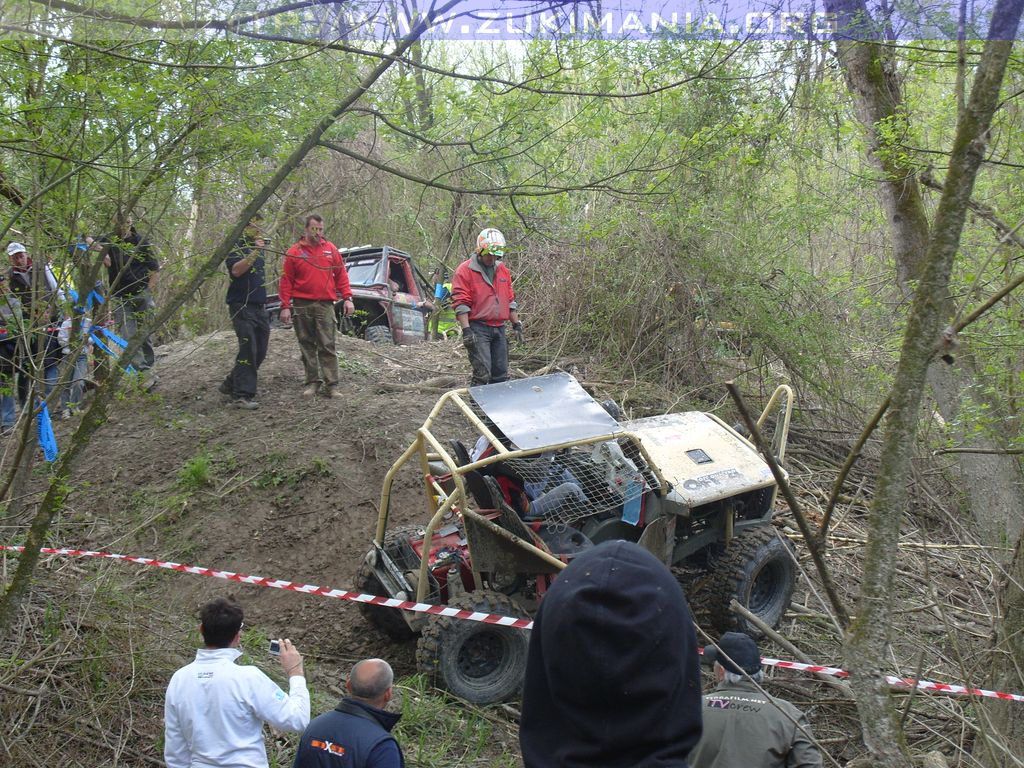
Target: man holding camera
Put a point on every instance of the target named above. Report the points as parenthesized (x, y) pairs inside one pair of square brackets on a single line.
[(247, 299), (215, 709), (484, 301)]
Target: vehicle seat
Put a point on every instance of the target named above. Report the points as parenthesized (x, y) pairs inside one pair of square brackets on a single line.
[(565, 541), (479, 490), (509, 519), (459, 452)]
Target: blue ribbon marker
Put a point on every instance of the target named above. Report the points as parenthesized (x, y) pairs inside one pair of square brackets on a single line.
[(114, 337), (47, 440), (94, 297), (96, 340), (632, 503)]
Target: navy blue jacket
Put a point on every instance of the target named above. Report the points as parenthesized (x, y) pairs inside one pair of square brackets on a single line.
[(352, 735)]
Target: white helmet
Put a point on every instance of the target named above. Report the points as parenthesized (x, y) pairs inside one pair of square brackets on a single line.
[(14, 248), (492, 241)]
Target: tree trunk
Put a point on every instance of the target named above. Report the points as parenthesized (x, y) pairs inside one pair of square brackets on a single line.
[(1000, 739), (992, 482)]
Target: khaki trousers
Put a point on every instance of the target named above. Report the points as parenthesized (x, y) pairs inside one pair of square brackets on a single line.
[(315, 328)]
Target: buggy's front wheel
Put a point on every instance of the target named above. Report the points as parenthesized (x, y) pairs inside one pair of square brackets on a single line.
[(481, 663), (757, 569)]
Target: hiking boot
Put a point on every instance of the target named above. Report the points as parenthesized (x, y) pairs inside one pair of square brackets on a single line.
[(310, 390), (331, 393), (225, 388), (245, 403)]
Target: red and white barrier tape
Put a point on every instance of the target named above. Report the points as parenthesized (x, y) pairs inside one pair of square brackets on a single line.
[(487, 618), (308, 589), (903, 682)]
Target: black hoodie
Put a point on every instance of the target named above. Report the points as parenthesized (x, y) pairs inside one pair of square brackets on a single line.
[(612, 676)]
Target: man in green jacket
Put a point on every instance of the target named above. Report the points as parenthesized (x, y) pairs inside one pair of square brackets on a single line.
[(743, 726)]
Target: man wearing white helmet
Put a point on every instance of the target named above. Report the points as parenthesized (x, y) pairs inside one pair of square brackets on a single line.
[(484, 301)]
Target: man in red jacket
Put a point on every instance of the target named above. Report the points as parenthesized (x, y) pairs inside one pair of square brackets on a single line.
[(313, 279), (483, 299)]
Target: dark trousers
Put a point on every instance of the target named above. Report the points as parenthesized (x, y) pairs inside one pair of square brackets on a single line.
[(26, 360), (8, 354), (132, 311), (489, 357), (252, 327)]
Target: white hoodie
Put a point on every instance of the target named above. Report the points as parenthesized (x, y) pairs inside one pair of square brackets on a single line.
[(215, 710)]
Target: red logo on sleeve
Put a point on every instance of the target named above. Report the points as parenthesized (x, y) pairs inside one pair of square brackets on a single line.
[(326, 746)]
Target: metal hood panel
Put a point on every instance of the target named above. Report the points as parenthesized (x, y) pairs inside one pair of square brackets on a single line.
[(702, 459), (544, 411)]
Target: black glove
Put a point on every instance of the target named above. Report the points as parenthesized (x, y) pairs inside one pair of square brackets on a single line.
[(468, 339), (517, 331)]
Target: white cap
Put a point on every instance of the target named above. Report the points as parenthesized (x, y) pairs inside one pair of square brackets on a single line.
[(14, 248)]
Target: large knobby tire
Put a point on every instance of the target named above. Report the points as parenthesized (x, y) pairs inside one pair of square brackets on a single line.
[(379, 334), (481, 663), (757, 570), (387, 620)]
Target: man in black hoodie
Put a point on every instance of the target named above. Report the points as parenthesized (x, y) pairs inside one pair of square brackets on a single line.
[(356, 733), (131, 268), (612, 676)]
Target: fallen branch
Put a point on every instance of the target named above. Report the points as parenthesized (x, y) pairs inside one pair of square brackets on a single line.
[(840, 685)]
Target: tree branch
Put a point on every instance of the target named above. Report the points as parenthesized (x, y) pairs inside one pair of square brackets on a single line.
[(813, 544)]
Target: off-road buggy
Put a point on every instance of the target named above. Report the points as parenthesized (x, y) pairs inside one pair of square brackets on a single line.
[(522, 476), (389, 295)]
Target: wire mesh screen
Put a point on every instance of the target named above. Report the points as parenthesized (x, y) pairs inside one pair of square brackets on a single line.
[(562, 487)]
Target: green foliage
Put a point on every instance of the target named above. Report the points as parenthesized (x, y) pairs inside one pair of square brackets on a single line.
[(353, 366), (278, 472), (196, 472), (321, 467), (437, 732)]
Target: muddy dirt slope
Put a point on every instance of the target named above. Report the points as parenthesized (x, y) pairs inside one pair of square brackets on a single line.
[(288, 491)]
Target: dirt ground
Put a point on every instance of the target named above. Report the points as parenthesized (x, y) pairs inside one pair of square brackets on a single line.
[(292, 491)]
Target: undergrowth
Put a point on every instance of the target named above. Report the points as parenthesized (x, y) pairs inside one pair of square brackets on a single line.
[(90, 657)]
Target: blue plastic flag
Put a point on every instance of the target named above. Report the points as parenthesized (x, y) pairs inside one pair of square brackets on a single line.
[(114, 338), (631, 504), (99, 343), (47, 440)]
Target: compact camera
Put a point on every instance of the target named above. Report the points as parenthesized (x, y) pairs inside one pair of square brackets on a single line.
[(275, 647)]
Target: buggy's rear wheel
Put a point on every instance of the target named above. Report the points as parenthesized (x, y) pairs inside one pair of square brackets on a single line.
[(481, 663), (758, 571), (388, 620)]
